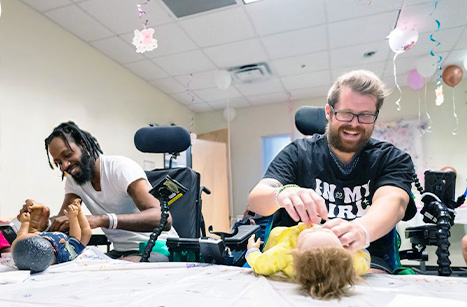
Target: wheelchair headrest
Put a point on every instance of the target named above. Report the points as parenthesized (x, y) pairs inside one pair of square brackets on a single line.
[(310, 120), (162, 139)]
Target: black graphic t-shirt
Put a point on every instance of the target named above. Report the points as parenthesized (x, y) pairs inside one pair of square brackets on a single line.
[(308, 163)]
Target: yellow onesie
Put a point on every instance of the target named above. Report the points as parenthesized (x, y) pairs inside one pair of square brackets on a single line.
[(277, 254)]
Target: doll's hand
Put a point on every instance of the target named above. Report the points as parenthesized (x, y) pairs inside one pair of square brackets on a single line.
[(77, 203), (24, 217), (252, 243), (72, 211)]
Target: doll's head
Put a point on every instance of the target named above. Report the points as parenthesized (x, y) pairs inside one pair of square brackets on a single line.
[(322, 265), (34, 253)]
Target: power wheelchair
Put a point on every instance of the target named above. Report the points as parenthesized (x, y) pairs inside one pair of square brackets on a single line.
[(179, 192)]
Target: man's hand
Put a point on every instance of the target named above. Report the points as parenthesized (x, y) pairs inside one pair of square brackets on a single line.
[(303, 204), (351, 235), (252, 243), (61, 223)]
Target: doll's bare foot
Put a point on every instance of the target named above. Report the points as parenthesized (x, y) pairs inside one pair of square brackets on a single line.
[(39, 215)]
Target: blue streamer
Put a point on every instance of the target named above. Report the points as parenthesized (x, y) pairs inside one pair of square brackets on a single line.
[(440, 58)]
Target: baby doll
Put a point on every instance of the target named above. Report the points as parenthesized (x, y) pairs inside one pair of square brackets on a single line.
[(35, 251), (313, 256)]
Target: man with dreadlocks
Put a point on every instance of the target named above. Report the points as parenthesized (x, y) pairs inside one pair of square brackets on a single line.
[(115, 189)]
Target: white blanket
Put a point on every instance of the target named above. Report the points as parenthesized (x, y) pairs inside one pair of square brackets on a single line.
[(95, 280)]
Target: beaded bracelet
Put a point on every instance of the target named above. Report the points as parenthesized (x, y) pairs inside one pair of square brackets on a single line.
[(282, 189)]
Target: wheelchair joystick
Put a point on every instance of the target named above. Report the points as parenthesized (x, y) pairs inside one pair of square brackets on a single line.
[(166, 191)]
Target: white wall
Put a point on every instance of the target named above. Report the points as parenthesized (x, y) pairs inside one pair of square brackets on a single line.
[(48, 76), (441, 148)]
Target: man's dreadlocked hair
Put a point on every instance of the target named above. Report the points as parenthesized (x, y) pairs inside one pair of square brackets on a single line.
[(68, 130)]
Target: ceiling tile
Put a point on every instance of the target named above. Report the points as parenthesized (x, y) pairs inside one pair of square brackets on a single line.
[(201, 107), (462, 44), (344, 33), (456, 57), (146, 70), (275, 97), (184, 63), (198, 81), (45, 5), (273, 16), (239, 102), (296, 42), (213, 94), (342, 57), (118, 50), (379, 68), (219, 27), (239, 53), (170, 39), (303, 94), (187, 97), (169, 85), (262, 87), (123, 16), (344, 9), (306, 80), (79, 23), (301, 64)]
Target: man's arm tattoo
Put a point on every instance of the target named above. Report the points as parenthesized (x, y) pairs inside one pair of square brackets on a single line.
[(272, 183)]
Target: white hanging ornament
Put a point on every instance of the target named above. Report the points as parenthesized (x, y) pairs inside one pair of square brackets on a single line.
[(230, 114), (223, 79)]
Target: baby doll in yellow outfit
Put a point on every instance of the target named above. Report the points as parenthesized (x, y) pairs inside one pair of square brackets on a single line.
[(312, 255)]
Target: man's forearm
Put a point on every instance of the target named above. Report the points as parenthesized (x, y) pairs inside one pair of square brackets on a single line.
[(262, 199), (143, 221), (388, 208)]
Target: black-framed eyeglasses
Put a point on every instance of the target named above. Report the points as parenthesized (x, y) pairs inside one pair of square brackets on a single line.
[(363, 118)]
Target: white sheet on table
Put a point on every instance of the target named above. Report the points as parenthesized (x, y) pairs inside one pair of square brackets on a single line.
[(99, 281)]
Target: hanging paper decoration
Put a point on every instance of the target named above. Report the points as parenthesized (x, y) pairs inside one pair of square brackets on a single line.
[(188, 91), (439, 95), (400, 41), (143, 39), (438, 24)]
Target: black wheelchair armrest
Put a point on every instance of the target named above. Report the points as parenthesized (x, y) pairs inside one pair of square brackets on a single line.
[(99, 239)]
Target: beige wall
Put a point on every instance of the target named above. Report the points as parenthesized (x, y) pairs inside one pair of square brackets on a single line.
[(48, 76)]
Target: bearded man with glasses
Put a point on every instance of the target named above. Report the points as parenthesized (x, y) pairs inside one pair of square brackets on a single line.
[(359, 186)]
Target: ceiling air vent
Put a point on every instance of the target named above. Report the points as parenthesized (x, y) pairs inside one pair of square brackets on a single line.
[(251, 73), (182, 8)]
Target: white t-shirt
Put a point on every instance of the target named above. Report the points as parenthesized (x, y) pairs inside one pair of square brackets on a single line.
[(117, 173)]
